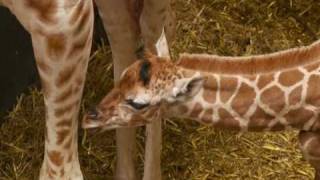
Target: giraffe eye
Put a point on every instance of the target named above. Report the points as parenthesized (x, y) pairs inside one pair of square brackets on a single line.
[(136, 105)]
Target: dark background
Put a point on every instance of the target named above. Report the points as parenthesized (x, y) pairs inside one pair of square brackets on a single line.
[(17, 65)]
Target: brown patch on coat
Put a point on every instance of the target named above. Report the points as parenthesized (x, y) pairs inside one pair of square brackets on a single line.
[(67, 123), (312, 67), (228, 86), (62, 110), (314, 162), (46, 9), (264, 80), (298, 117), (56, 45), (62, 172), (295, 95), (259, 120), (278, 127), (197, 109), (79, 80), (207, 116), (274, 98), (77, 89), (78, 45), (224, 114), (226, 120), (55, 157), (68, 143), (43, 67), (313, 93), (289, 78), (65, 75), (51, 173), (210, 88), (244, 99), (62, 135), (304, 136), (64, 95), (76, 12), (316, 125)]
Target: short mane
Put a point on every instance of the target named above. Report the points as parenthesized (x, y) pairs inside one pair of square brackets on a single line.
[(257, 64)]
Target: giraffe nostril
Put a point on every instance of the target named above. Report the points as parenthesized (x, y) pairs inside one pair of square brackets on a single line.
[(93, 113)]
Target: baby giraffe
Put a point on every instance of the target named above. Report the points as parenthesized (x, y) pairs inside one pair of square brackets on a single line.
[(269, 92)]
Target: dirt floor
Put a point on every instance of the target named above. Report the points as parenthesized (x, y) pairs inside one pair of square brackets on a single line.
[(190, 150)]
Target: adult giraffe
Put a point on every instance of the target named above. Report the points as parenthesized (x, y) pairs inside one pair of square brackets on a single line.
[(61, 32)]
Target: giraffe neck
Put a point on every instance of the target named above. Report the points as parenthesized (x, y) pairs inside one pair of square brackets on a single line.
[(257, 64), (257, 102)]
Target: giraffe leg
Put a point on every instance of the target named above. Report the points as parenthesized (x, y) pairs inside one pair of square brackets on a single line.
[(310, 147), (152, 21), (122, 33), (155, 16), (2, 3), (170, 25), (61, 35)]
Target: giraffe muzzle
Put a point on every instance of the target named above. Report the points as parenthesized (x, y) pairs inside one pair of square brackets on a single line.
[(92, 119), (93, 113)]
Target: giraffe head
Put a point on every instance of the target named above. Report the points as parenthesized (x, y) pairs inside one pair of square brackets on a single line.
[(148, 90)]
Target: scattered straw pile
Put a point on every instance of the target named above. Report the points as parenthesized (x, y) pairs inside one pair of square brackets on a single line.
[(190, 151)]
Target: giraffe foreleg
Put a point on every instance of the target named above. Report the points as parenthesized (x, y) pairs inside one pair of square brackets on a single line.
[(310, 147), (155, 16), (154, 19), (61, 35), (122, 33)]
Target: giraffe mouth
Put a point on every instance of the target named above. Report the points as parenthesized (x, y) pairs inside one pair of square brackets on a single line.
[(88, 123), (92, 119)]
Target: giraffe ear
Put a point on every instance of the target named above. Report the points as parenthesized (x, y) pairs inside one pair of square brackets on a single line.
[(188, 87)]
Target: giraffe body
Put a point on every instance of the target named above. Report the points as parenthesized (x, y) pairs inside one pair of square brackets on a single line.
[(258, 93), (61, 32), (265, 102), (262, 93)]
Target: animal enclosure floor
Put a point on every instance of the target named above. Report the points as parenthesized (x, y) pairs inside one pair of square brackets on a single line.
[(190, 151)]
